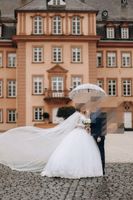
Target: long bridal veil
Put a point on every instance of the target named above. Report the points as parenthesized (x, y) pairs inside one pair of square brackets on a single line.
[(29, 148)]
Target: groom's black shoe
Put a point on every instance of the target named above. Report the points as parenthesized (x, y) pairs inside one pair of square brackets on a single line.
[(103, 172)]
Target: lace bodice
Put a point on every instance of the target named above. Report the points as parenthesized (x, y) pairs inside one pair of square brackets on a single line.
[(80, 121)]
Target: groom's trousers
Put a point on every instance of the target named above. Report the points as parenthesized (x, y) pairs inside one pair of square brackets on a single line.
[(99, 129)]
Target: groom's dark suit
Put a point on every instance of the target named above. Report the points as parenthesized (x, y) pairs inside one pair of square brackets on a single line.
[(99, 130)]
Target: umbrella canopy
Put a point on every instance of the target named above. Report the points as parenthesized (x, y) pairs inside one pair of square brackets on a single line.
[(86, 92)]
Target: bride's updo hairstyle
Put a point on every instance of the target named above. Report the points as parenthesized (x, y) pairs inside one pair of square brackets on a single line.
[(80, 108)]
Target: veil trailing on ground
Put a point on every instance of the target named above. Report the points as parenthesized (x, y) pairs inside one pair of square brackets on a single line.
[(29, 148)]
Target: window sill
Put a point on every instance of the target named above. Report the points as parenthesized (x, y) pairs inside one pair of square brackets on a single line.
[(57, 62), (37, 121), (13, 67), (11, 97), (126, 67), (37, 94), (76, 34), (38, 34), (38, 62), (127, 96), (111, 67), (11, 122), (112, 95), (76, 62), (100, 67)]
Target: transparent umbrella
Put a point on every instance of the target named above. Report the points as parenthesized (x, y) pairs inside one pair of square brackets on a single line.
[(87, 93)]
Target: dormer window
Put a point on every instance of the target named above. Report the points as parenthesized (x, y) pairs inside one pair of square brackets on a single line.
[(124, 3), (37, 25), (110, 32), (56, 3), (124, 32)]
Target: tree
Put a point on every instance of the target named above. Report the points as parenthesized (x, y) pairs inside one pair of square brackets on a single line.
[(65, 111)]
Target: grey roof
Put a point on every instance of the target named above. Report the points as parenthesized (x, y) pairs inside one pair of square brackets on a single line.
[(7, 7), (115, 11), (71, 5)]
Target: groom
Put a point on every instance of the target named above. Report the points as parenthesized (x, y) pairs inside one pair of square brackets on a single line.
[(98, 131)]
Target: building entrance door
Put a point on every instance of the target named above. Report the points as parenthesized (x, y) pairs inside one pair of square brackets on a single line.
[(55, 119), (127, 119)]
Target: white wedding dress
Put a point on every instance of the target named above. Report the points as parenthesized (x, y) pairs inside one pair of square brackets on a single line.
[(64, 151), (77, 156)]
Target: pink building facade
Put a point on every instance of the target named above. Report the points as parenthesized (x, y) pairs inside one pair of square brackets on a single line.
[(56, 47)]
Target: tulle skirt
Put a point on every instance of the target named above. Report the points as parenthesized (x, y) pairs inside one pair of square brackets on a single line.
[(76, 156)]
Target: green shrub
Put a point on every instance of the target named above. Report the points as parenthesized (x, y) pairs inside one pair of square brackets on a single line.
[(46, 115)]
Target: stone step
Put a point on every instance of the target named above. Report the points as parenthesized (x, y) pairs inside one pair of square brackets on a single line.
[(44, 125)]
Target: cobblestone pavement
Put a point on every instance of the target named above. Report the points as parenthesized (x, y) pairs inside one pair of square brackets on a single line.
[(116, 185)]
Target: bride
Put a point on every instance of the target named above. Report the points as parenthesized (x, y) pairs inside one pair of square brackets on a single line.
[(67, 151)]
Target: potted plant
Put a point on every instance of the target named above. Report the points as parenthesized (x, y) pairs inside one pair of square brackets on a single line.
[(46, 117)]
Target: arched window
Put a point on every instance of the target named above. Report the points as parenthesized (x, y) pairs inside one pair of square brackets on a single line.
[(57, 25), (38, 25), (76, 25)]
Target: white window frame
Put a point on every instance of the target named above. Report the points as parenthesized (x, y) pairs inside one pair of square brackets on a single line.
[(11, 60), (57, 25), (57, 83), (38, 25), (38, 86), (76, 55), (1, 115), (111, 59), (127, 87), (76, 80), (56, 2), (11, 116), (124, 32), (57, 54), (11, 88), (99, 59), (112, 84), (126, 59), (76, 25), (110, 32), (1, 59), (1, 88), (37, 54), (100, 83), (38, 114)]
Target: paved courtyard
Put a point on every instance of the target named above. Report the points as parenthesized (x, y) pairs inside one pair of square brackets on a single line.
[(116, 185)]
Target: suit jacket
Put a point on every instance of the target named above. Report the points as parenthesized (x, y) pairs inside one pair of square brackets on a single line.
[(98, 124)]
